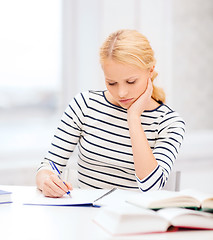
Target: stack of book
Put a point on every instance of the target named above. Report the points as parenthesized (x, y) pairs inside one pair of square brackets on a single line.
[(158, 211)]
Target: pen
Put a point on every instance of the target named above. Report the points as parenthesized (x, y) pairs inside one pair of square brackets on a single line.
[(55, 169), (107, 193)]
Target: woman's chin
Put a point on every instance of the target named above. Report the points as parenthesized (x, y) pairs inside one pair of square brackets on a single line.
[(125, 106)]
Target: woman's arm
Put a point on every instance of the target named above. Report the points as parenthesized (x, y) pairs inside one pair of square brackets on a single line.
[(144, 159), (153, 166), (63, 144)]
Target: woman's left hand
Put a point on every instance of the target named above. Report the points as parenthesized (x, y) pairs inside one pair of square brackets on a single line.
[(138, 107)]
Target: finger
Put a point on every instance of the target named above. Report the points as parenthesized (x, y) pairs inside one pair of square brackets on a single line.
[(63, 185), (52, 187), (69, 186), (58, 184), (49, 192), (149, 87)]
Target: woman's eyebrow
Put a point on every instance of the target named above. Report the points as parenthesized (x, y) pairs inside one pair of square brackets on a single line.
[(126, 79), (110, 80), (131, 78)]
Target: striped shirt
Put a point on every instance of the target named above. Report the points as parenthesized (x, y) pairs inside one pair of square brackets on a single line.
[(101, 132)]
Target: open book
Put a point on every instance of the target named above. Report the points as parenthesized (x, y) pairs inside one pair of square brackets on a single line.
[(186, 198), (127, 219)]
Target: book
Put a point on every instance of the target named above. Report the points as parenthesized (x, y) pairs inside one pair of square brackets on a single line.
[(79, 197), (126, 219), (5, 197), (188, 198)]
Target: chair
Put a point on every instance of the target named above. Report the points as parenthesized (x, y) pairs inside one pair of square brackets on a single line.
[(173, 183)]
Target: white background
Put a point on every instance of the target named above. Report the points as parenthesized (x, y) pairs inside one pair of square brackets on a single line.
[(49, 52)]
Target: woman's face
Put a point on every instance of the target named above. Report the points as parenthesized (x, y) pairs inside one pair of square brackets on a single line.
[(125, 83)]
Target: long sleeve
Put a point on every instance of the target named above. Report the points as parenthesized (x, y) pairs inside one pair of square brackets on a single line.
[(66, 136), (171, 131)]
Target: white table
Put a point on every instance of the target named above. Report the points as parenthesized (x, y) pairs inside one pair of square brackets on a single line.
[(18, 221)]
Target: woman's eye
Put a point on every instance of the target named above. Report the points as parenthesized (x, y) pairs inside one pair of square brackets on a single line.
[(132, 82), (111, 84)]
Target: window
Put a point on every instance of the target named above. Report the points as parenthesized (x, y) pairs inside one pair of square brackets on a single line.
[(30, 72)]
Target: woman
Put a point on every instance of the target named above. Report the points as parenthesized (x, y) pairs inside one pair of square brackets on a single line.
[(127, 137)]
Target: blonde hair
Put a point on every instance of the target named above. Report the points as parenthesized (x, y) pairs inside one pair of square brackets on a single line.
[(131, 47)]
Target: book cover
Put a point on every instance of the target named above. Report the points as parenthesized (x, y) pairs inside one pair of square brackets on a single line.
[(5, 197)]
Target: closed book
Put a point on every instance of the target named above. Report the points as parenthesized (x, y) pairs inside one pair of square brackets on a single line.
[(5, 196)]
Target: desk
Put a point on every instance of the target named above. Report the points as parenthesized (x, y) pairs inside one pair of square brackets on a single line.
[(18, 221)]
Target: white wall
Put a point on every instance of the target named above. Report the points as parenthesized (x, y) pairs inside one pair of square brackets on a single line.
[(88, 23), (179, 32), (171, 27)]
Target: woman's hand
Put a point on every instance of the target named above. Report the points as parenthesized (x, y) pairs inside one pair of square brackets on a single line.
[(144, 160), (137, 108), (51, 185)]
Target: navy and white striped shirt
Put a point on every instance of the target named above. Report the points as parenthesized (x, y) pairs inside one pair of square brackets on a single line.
[(105, 158)]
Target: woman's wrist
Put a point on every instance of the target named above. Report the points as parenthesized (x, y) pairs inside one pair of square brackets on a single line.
[(133, 118)]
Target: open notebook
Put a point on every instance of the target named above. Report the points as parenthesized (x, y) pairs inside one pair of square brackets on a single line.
[(82, 197)]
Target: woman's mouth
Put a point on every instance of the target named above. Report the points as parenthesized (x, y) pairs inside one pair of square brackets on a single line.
[(125, 101)]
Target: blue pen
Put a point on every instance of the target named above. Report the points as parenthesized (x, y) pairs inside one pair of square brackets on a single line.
[(55, 169)]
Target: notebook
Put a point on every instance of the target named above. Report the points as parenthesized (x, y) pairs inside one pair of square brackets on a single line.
[(80, 197)]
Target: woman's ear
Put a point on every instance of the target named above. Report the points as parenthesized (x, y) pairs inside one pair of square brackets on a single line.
[(151, 71)]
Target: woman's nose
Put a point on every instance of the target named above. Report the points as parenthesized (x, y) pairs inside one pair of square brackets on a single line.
[(122, 92)]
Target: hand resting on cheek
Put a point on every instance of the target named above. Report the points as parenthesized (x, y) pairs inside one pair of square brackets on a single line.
[(141, 104)]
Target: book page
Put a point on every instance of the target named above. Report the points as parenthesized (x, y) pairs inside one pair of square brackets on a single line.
[(117, 197), (164, 198), (206, 199), (197, 194), (187, 218)]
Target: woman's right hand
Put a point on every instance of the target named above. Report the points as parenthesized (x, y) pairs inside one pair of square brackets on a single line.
[(50, 184)]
